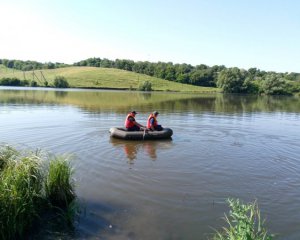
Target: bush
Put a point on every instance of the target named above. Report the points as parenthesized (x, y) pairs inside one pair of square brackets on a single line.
[(33, 84), (145, 86), (274, 85), (60, 82), (231, 80), (12, 82), (244, 223)]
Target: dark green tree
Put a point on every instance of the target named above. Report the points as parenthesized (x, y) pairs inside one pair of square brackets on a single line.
[(60, 82), (231, 80), (274, 85)]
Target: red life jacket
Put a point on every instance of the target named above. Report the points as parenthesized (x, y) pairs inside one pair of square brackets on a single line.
[(129, 124), (154, 122)]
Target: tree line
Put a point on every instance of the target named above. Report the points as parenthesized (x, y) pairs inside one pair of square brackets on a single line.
[(230, 80), (30, 65)]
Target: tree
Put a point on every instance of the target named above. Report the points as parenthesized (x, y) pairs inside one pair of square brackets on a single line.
[(231, 80), (60, 82), (204, 77), (273, 85), (182, 78)]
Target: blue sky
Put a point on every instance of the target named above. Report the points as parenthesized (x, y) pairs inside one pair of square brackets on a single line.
[(263, 34)]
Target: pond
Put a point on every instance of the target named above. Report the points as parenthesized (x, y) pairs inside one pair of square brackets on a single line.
[(224, 146)]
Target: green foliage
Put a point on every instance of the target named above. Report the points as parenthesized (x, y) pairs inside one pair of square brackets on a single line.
[(250, 86), (274, 85), (12, 82), (92, 77), (244, 223), (59, 186), (20, 187), (30, 65), (7, 153), (231, 80), (23, 197), (203, 77), (294, 86), (145, 86), (60, 82), (33, 84)]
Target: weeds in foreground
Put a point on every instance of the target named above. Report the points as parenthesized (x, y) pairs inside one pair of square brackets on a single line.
[(23, 194), (6, 153), (244, 223)]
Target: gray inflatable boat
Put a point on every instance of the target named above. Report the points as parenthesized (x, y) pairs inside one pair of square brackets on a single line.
[(122, 133)]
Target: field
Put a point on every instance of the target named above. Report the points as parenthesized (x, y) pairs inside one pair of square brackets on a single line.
[(105, 78)]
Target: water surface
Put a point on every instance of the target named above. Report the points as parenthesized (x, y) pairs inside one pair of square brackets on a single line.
[(246, 147)]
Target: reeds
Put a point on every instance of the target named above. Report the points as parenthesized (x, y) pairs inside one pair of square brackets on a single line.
[(244, 223), (23, 193)]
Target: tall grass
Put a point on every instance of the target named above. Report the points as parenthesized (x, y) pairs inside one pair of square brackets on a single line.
[(244, 223), (59, 185), (23, 196), (6, 153)]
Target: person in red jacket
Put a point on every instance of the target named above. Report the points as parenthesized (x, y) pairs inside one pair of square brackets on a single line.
[(131, 124), (152, 123)]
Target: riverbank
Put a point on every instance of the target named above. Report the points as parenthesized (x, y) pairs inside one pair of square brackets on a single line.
[(101, 78)]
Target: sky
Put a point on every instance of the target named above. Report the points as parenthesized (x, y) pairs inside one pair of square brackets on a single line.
[(236, 33)]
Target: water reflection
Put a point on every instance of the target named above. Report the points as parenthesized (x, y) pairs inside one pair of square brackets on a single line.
[(102, 101), (61, 94), (133, 148)]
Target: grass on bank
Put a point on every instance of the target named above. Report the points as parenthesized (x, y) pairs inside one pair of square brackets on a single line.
[(106, 78), (25, 192)]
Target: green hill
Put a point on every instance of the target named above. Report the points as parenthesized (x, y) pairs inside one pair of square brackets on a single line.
[(106, 78)]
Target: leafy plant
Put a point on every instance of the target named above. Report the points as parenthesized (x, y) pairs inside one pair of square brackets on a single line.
[(244, 223)]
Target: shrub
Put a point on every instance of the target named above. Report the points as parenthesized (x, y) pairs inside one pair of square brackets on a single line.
[(12, 82), (274, 85), (244, 223), (145, 86), (33, 84), (60, 82), (231, 80)]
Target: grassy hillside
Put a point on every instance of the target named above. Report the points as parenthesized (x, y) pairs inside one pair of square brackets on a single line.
[(92, 77)]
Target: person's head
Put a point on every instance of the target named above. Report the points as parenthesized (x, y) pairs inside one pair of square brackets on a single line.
[(134, 112), (155, 113)]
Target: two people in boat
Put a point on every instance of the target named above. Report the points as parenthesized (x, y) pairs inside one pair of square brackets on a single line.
[(132, 125)]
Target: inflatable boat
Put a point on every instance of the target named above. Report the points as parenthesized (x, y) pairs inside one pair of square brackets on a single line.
[(122, 133)]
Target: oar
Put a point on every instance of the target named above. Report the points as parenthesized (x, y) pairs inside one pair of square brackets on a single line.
[(144, 133)]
